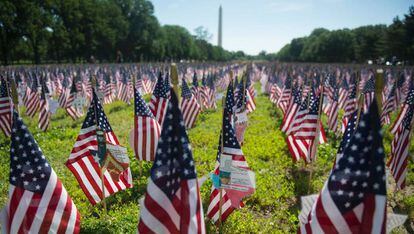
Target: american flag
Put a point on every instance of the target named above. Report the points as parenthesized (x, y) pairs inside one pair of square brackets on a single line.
[(244, 100), (38, 202), (63, 93), (211, 94), (204, 90), (172, 202), (351, 105), (353, 199), (293, 109), (123, 91), (308, 126), (33, 100), (275, 93), (159, 100), (343, 93), (70, 109), (84, 162), (148, 85), (302, 134), (389, 106), (58, 85), (283, 101), (349, 132), (108, 93), (399, 92), (5, 109), (369, 93), (230, 147), (167, 85), (401, 143), (194, 88), (334, 110), (189, 106), (44, 114), (146, 130)]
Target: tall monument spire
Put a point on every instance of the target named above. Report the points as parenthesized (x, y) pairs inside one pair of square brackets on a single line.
[(220, 29)]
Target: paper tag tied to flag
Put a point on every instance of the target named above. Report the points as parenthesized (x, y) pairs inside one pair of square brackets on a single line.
[(241, 117), (53, 106), (235, 178), (117, 160)]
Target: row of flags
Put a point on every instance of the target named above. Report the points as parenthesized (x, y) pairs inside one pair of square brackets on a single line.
[(100, 164), (353, 199), (298, 98)]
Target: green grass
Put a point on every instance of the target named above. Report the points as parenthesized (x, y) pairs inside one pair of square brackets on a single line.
[(280, 182)]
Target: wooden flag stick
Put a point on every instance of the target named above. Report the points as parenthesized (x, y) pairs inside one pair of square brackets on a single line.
[(174, 80), (379, 85), (244, 78), (360, 98), (140, 161), (314, 148), (221, 152), (98, 136)]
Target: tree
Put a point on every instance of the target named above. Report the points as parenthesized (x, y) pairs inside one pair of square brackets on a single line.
[(9, 34), (202, 33)]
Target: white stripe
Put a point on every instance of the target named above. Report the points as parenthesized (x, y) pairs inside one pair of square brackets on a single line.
[(140, 139), (92, 192), (332, 211), (163, 201), (314, 222), (378, 217), (358, 211), (84, 141), (42, 209), (57, 217), (233, 151), (224, 207), (111, 183), (150, 221), (96, 177), (148, 133), (294, 148), (193, 203), (87, 130), (20, 214), (72, 219)]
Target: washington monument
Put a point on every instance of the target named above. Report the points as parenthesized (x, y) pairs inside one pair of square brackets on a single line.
[(220, 29)]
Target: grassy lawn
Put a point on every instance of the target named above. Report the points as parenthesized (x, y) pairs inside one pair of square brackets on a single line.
[(280, 183)]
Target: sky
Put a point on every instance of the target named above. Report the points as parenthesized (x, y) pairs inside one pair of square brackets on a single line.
[(256, 25)]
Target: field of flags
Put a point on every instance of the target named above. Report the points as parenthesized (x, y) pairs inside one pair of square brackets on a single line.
[(206, 148)]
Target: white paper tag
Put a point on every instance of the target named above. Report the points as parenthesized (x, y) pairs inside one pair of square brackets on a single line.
[(118, 152), (241, 117), (53, 106)]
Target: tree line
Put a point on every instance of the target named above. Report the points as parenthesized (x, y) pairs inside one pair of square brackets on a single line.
[(63, 31), (378, 43)]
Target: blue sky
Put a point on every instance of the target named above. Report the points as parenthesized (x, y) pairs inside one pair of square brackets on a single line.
[(255, 25)]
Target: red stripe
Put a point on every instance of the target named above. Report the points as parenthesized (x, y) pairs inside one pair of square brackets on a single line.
[(51, 209), (31, 211), (159, 213), (142, 228), (80, 179), (65, 216), (14, 203), (185, 208), (367, 217), (323, 218)]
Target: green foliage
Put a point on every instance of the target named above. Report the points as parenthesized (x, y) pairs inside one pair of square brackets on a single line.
[(360, 44), (94, 30)]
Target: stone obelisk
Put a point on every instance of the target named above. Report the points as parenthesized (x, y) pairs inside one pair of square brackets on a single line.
[(220, 28)]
